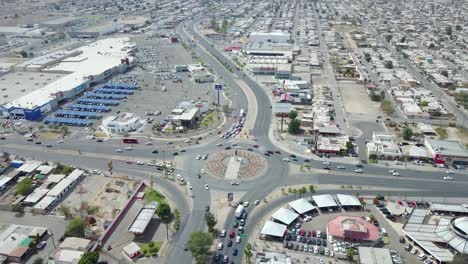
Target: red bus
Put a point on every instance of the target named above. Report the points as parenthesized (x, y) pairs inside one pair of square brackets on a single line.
[(130, 140)]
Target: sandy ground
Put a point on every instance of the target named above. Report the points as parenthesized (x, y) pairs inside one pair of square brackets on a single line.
[(356, 100)]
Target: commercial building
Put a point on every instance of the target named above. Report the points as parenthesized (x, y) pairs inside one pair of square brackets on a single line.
[(446, 151), (325, 202), (143, 218), (14, 241), (285, 216), (273, 230), (78, 69), (349, 202), (278, 37), (440, 236), (371, 255), (122, 123), (382, 146), (353, 229), (302, 206), (97, 31)]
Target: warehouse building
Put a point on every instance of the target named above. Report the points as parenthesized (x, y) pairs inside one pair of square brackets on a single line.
[(278, 37), (78, 69), (447, 151)]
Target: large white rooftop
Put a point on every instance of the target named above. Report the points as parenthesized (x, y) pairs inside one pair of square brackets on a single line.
[(285, 216), (94, 59)]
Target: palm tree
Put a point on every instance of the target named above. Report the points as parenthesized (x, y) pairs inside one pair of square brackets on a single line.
[(312, 190), (164, 213), (248, 253)]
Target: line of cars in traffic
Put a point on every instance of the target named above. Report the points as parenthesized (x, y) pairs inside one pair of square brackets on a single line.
[(235, 129)]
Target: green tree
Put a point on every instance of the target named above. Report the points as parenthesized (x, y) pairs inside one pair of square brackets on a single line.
[(294, 127), (444, 73), (388, 38), (349, 145), (432, 45), (460, 259), (403, 39), (199, 245), (312, 189), (24, 186), (459, 28), (292, 114), (24, 54), (38, 261), (75, 227), (210, 220), (389, 64), (350, 254), (164, 213), (407, 133), (448, 30), (386, 106), (89, 258), (248, 253), (424, 103)]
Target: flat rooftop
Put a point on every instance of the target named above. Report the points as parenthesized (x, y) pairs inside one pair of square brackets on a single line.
[(94, 59), (16, 84)]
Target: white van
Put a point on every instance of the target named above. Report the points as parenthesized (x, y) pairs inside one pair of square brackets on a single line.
[(220, 246), (383, 231)]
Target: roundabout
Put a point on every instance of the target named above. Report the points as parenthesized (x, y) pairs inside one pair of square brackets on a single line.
[(236, 164)]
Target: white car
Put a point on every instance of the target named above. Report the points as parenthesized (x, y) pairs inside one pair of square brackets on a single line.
[(234, 183), (188, 141), (223, 233), (256, 202), (128, 148), (189, 185), (238, 239), (206, 187), (139, 162), (246, 204), (219, 144), (450, 172), (118, 150), (205, 157), (203, 171), (326, 163), (148, 143), (286, 159), (149, 164), (448, 178), (391, 171), (358, 171), (41, 244), (340, 167), (220, 245), (198, 157), (395, 174), (60, 142)]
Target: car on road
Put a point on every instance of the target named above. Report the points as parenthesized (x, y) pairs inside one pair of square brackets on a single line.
[(396, 174), (232, 233), (223, 233), (286, 159), (155, 151), (60, 142), (129, 162), (220, 246), (235, 224), (29, 139), (205, 157), (219, 145), (340, 167), (234, 183), (149, 143), (41, 244), (118, 150), (203, 171), (198, 157), (246, 204), (448, 178), (225, 259), (189, 186), (48, 146), (238, 239), (326, 163), (358, 171), (450, 172), (206, 187), (207, 208), (229, 243), (38, 143), (128, 148), (359, 165), (139, 162), (235, 251), (256, 202)]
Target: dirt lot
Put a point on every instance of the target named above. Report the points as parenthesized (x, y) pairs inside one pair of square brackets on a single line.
[(356, 101), (108, 195)]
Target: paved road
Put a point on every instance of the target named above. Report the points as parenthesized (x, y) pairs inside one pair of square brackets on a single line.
[(95, 156)]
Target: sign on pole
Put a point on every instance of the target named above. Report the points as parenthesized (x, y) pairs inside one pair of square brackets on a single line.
[(218, 87)]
